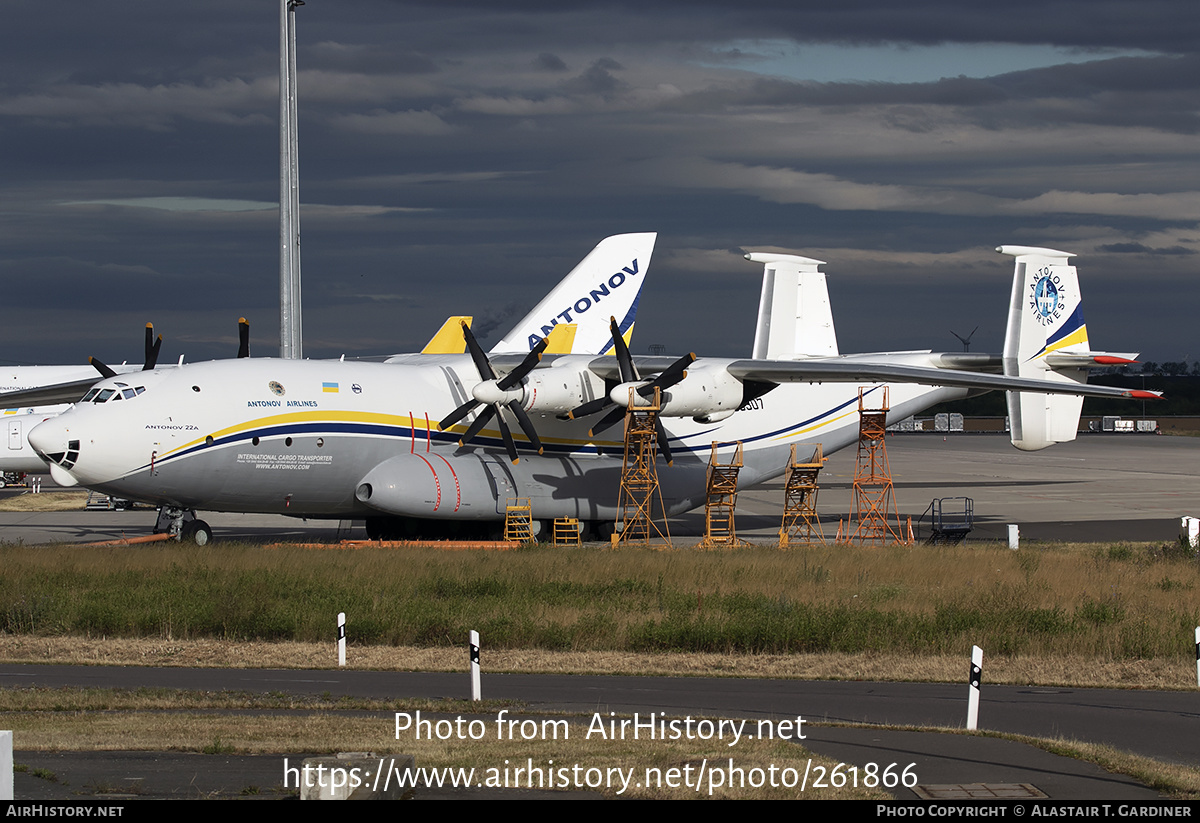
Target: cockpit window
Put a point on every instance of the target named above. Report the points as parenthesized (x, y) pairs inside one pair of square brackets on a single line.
[(104, 395)]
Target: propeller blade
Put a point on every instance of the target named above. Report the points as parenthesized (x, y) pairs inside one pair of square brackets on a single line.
[(629, 371), (478, 355), (590, 407), (614, 416), (458, 414), (663, 446), (670, 376), (104, 370), (477, 426), (152, 347), (243, 338), (526, 425), (514, 377), (509, 445)]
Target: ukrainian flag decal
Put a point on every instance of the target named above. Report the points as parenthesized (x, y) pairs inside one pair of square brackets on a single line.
[(329, 388)]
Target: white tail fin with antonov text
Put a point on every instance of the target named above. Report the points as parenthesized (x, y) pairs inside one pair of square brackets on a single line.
[(606, 284)]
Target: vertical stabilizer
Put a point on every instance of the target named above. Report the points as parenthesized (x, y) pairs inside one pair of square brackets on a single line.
[(794, 316), (606, 284), (1045, 317)]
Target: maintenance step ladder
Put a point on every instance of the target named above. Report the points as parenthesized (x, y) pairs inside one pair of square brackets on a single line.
[(721, 500), (950, 520), (566, 531), (800, 521), (518, 520)]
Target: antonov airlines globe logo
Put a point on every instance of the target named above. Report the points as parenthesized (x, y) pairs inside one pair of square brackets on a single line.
[(1046, 295), (1047, 298)]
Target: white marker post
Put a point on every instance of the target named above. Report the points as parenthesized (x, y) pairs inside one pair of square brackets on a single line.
[(976, 679), (6, 766), (341, 638), (1014, 536), (475, 694), (1189, 532)]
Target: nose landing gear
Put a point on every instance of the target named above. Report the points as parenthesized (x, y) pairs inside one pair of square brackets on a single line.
[(183, 525)]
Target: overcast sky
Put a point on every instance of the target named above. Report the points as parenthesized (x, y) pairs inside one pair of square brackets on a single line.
[(460, 157)]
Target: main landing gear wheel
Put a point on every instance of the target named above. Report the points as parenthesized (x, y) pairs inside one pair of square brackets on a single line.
[(198, 532)]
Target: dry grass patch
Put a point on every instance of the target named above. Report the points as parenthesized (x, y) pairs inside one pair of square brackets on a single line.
[(1069, 670), (71, 501), (304, 734), (160, 720)]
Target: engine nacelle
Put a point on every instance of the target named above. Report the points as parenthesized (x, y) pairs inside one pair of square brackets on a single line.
[(705, 392), (558, 390)]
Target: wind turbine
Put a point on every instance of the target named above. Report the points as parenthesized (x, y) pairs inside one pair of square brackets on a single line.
[(966, 341)]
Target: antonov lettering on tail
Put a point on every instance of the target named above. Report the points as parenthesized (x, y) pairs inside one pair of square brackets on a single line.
[(452, 437)]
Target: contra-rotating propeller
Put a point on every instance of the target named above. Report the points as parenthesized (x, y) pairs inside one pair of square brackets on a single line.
[(153, 345), (149, 359), (629, 375), (494, 393)]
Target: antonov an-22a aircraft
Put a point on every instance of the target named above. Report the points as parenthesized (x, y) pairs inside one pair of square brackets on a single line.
[(395, 442)]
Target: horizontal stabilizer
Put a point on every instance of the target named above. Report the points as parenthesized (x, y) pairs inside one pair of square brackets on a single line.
[(1089, 359)]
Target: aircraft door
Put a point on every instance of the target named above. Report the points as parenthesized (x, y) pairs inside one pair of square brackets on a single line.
[(15, 441), (500, 481)]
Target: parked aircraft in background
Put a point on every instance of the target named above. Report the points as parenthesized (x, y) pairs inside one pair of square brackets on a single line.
[(57, 387), (425, 436)]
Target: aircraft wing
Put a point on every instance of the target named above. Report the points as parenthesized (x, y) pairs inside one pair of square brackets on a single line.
[(49, 395), (849, 370)]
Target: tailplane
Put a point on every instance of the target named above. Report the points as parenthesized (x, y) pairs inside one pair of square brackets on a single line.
[(1047, 339), (607, 283)]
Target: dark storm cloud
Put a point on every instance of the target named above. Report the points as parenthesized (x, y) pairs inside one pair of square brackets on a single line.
[(460, 157), (597, 79), (549, 62), (1138, 248), (1168, 25), (1150, 92)]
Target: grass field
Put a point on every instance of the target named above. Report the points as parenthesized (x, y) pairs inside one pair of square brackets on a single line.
[(1132, 609)]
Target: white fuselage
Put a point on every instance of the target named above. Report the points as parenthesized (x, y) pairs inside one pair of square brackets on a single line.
[(346, 439)]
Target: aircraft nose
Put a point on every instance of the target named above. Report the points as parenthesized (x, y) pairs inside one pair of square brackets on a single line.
[(53, 440)]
